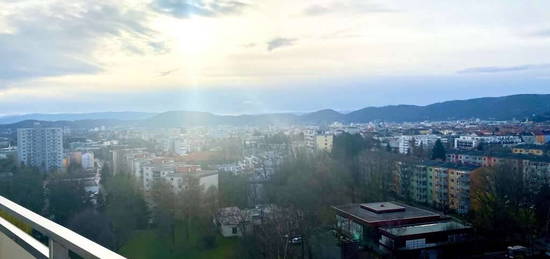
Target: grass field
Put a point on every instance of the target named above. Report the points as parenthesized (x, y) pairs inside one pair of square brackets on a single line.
[(148, 244)]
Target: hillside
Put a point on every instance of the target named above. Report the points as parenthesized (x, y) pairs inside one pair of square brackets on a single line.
[(76, 116), (489, 108), (520, 107)]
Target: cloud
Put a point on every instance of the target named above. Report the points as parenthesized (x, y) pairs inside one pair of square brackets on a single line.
[(249, 45), (350, 6), (167, 73), (496, 69), (545, 33), (279, 43), (188, 8), (59, 39)]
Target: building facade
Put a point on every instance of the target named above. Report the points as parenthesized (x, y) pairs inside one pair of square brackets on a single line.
[(535, 168), (324, 142), (398, 227), (40, 147), (440, 185), (88, 160)]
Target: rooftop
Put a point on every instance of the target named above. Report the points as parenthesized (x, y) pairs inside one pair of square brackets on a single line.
[(533, 146), (382, 207), (394, 213), (500, 155), (433, 163)]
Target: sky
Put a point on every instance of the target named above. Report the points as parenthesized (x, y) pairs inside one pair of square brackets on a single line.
[(259, 56)]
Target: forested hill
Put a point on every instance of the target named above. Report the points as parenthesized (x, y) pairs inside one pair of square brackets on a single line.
[(489, 108), (525, 106)]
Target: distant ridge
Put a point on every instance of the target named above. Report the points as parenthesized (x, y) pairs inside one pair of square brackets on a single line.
[(523, 106), (76, 116), (488, 108)]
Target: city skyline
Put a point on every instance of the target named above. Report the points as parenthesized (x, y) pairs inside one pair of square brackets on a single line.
[(233, 57)]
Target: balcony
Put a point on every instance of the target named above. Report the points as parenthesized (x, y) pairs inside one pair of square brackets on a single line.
[(15, 243)]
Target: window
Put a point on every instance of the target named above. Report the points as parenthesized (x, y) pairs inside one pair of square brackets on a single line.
[(234, 230), (415, 243)]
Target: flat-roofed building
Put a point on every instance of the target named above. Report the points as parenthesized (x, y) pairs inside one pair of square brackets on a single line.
[(385, 213), (395, 227), (427, 235)]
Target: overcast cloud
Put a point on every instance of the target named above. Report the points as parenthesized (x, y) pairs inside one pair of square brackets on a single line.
[(141, 51)]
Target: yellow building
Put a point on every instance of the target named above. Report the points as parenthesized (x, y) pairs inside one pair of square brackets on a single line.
[(324, 142), (528, 150)]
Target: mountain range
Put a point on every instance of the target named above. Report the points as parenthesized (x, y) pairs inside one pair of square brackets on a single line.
[(76, 116), (488, 108)]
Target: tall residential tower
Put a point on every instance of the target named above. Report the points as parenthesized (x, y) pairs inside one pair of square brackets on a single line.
[(40, 147)]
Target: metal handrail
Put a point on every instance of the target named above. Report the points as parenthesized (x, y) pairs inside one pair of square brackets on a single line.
[(61, 238)]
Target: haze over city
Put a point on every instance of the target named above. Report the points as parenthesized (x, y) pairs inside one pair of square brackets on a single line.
[(234, 57), (274, 129)]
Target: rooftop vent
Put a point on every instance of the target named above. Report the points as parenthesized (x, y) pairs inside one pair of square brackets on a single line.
[(382, 207)]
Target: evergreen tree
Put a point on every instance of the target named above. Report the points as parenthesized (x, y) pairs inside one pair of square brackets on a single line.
[(438, 151), (480, 146)]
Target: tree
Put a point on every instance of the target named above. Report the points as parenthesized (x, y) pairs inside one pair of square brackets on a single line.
[(233, 190), (190, 204), (66, 197), (94, 226), (376, 170), (438, 151), (480, 146), (501, 204), (210, 202), (24, 187), (346, 149), (542, 209), (164, 209), (124, 204), (419, 151), (305, 187)]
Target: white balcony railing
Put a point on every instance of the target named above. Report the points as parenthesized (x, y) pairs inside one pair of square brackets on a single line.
[(15, 243)]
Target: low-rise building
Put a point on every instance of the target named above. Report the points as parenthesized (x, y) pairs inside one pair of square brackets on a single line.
[(233, 221), (397, 226)]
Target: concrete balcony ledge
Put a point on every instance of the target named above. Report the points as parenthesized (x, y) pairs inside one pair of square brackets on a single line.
[(15, 243)]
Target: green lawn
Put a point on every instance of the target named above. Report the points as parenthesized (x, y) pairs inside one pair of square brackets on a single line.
[(148, 244)]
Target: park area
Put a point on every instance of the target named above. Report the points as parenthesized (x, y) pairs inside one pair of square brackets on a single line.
[(200, 244)]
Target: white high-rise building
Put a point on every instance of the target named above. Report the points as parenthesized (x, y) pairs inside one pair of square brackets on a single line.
[(40, 147)]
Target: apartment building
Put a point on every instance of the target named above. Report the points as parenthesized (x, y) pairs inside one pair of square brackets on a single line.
[(532, 149), (324, 142), (426, 141), (438, 184), (40, 147), (536, 169), (473, 141), (177, 175)]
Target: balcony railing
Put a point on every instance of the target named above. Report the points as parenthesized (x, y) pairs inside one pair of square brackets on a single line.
[(15, 243)]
